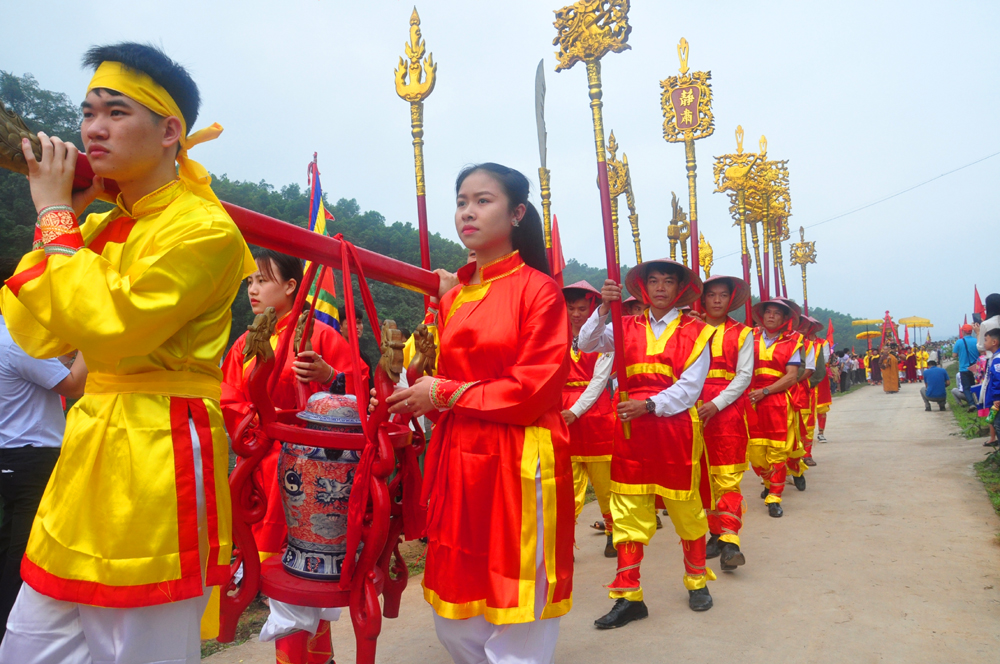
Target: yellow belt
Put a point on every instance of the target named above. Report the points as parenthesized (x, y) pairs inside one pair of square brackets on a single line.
[(578, 383), (721, 373), (764, 371), (167, 383)]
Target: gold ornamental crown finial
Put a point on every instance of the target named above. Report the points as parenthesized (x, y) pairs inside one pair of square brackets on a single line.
[(739, 139), (763, 144), (415, 81), (802, 234), (682, 53), (588, 29)]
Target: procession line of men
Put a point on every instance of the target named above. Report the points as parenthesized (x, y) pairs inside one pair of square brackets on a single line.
[(708, 398)]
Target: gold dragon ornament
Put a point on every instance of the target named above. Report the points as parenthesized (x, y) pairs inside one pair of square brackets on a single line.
[(258, 341), (392, 351), (705, 254), (424, 357)]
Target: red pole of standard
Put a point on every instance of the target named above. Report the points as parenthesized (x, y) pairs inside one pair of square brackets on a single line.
[(614, 269), (767, 269), (746, 278)]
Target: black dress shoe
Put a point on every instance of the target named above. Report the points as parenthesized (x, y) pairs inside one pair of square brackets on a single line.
[(659, 524), (712, 548), (774, 509), (610, 551), (699, 600), (624, 612), (800, 482), (731, 557), (763, 494), (809, 461), (928, 409)]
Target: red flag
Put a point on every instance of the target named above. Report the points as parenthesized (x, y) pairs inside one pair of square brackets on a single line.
[(556, 261), (977, 306), (829, 332), (965, 321), (906, 335), (853, 352)]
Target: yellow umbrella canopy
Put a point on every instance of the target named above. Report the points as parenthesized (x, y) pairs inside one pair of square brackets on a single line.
[(868, 334), (914, 321), (867, 321)]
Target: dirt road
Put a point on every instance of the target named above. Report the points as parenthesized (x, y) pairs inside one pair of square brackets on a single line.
[(890, 555)]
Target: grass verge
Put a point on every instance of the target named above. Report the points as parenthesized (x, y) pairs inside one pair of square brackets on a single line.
[(970, 423), (988, 471), (853, 388)]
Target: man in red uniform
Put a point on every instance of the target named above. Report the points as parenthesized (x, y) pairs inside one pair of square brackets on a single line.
[(777, 356), (802, 401), (809, 327), (667, 358), (588, 412), (723, 412)]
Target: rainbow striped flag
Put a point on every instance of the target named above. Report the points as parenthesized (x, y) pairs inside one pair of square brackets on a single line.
[(323, 292)]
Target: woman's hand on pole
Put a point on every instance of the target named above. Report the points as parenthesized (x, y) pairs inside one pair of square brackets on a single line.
[(448, 281), (415, 400)]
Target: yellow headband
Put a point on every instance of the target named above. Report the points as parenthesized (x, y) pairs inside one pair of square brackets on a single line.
[(144, 90)]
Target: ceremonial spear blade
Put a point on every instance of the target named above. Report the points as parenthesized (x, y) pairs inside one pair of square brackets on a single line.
[(543, 172)]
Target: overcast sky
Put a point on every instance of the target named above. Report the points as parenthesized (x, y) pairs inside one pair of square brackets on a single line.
[(864, 99)]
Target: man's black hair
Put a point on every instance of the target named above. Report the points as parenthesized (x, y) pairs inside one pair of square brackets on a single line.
[(153, 62), (995, 333), (932, 363)]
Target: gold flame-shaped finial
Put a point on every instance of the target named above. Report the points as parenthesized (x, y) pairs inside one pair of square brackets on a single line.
[(414, 82), (739, 139), (682, 53), (763, 144), (802, 234)]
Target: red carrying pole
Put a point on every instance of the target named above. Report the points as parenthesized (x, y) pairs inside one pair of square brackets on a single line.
[(746, 278), (272, 233), (614, 269)]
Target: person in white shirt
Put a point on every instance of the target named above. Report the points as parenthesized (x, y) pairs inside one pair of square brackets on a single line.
[(657, 448)]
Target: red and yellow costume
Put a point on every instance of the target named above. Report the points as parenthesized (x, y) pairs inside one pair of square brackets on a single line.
[(726, 433), (146, 298), (773, 433), (804, 403), (270, 532), (824, 397), (503, 364), (591, 436), (664, 456)]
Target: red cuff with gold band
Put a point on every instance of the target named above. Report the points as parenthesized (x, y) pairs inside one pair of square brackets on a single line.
[(446, 393), (58, 231)]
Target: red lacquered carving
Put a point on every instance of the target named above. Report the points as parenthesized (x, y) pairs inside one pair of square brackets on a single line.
[(380, 511)]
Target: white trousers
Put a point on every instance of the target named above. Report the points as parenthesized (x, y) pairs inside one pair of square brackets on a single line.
[(286, 619), (475, 641), (42, 630)]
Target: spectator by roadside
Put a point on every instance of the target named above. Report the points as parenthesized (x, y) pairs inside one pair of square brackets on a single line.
[(935, 384), (32, 423), (991, 321), (967, 353), (991, 381)]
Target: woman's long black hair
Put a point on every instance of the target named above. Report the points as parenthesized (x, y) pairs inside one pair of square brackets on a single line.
[(992, 305), (527, 237)]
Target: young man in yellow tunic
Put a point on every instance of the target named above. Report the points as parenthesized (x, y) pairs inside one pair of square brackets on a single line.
[(135, 523), (667, 356)]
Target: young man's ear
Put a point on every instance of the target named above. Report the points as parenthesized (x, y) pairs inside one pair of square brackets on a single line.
[(172, 129)]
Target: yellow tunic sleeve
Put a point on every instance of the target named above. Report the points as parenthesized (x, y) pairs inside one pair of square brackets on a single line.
[(82, 302)]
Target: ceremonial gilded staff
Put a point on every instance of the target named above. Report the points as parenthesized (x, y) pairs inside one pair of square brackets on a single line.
[(587, 30), (679, 230), (414, 83), (803, 253), (732, 174), (687, 116), (705, 255), (543, 172), (767, 202), (620, 182)]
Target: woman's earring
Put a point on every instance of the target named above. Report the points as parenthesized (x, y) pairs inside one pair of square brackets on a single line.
[(517, 222)]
